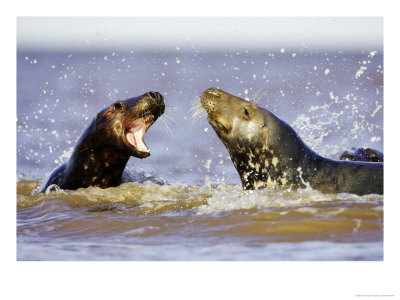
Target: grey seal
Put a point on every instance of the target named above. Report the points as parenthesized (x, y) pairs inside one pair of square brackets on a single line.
[(268, 153), (103, 150)]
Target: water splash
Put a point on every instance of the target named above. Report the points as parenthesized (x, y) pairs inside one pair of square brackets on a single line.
[(312, 134)]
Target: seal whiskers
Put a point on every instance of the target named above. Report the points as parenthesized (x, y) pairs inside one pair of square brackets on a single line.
[(169, 118), (255, 94), (166, 127), (196, 110), (111, 94), (256, 97)]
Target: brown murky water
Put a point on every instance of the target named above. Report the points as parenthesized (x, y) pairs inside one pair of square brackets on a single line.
[(149, 221)]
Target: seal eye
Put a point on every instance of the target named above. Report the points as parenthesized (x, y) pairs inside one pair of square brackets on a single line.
[(117, 106), (246, 112)]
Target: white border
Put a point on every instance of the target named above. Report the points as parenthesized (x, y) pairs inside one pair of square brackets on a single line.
[(149, 280)]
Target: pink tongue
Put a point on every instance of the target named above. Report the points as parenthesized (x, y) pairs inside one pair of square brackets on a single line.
[(135, 135)]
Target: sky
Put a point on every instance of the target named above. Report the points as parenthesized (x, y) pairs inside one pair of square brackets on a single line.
[(94, 33)]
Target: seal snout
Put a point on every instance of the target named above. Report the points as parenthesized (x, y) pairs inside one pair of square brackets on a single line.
[(208, 99), (156, 102), (213, 101), (157, 97)]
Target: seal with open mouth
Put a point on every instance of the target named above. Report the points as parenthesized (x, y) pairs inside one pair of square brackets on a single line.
[(268, 153), (102, 152)]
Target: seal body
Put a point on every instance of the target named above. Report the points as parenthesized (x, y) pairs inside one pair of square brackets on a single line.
[(363, 154), (114, 135), (268, 153)]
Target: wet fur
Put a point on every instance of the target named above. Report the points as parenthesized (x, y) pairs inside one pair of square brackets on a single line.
[(268, 153), (363, 154), (101, 154)]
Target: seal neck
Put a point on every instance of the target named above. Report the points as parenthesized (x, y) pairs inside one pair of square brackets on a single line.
[(277, 157), (94, 163)]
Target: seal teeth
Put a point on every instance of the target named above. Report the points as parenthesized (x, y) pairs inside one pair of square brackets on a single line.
[(135, 135)]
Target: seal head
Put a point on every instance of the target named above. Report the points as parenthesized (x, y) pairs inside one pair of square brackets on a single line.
[(114, 135), (124, 123), (244, 129)]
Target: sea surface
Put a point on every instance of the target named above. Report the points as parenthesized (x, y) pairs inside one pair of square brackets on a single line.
[(185, 202)]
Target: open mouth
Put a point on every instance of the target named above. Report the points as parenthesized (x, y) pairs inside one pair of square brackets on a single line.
[(134, 134)]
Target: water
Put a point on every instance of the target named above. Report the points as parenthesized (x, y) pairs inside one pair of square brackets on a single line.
[(185, 201)]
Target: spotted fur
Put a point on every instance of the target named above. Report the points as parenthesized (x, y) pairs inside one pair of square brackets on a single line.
[(268, 153), (102, 152), (363, 154)]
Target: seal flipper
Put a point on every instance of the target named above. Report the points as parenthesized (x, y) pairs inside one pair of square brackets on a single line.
[(363, 154), (374, 155), (54, 178)]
